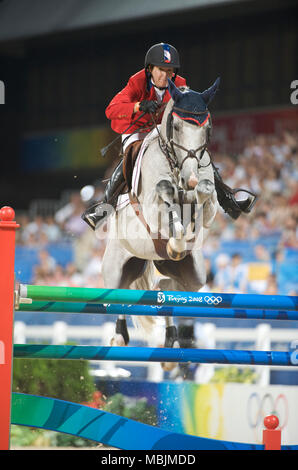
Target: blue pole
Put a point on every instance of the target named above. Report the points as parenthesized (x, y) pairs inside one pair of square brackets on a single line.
[(152, 310), (144, 354)]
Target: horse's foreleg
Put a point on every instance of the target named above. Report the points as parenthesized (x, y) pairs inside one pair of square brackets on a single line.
[(171, 334), (176, 246), (171, 341), (121, 336), (115, 255), (210, 210)]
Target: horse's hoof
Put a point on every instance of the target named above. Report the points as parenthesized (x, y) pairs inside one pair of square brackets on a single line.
[(173, 254), (168, 366), (205, 186), (117, 340), (170, 343)]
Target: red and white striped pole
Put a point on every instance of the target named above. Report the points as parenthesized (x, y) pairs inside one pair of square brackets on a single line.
[(7, 254), (271, 435)]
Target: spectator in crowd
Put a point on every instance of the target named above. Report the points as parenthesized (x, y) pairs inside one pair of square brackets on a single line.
[(261, 253), (231, 275), (237, 275), (69, 216), (220, 279), (34, 233), (93, 267), (74, 276), (271, 286), (46, 262), (58, 277), (289, 234), (52, 230)]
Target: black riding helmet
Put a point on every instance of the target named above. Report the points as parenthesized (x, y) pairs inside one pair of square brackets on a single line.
[(162, 55)]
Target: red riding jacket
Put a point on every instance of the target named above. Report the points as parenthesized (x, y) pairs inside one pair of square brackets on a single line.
[(120, 109)]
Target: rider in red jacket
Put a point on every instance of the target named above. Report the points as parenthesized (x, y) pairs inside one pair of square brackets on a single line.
[(125, 106), (144, 93)]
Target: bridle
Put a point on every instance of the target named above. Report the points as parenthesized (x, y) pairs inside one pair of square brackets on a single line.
[(168, 146), (168, 149)]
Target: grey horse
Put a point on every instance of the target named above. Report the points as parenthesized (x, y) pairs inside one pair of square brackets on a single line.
[(164, 225)]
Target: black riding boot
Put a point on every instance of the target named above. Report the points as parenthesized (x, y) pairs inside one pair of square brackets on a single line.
[(99, 212), (227, 200)]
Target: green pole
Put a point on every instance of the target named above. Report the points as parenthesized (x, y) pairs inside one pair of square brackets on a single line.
[(161, 298)]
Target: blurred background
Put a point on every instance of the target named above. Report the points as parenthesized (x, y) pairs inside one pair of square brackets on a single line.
[(60, 65)]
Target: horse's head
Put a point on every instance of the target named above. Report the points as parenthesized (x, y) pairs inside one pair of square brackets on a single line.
[(187, 128)]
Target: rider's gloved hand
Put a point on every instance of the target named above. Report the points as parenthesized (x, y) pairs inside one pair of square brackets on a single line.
[(148, 106)]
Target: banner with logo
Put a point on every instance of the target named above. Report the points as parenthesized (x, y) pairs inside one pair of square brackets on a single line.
[(226, 411), (66, 150), (80, 148), (232, 412)]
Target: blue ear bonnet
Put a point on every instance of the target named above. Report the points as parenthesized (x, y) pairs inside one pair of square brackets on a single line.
[(192, 102), (191, 105)]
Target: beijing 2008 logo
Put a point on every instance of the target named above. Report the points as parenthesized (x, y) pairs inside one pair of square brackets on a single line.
[(161, 297), (212, 300)]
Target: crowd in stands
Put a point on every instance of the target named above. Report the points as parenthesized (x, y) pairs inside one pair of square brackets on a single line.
[(268, 165)]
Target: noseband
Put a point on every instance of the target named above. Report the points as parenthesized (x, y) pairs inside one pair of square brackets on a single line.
[(190, 153)]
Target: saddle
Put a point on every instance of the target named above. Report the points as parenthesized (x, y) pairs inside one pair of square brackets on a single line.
[(129, 159)]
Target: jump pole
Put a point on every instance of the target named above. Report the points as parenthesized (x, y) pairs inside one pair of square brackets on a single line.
[(153, 310), (7, 254), (159, 298), (146, 354)]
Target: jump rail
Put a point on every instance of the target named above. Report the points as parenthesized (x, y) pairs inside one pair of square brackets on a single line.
[(152, 310), (114, 353), (159, 298)]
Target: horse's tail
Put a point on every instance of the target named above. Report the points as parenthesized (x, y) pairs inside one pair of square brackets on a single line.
[(146, 282)]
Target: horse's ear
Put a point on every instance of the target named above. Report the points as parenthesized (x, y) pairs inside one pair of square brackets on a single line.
[(174, 91), (208, 94)]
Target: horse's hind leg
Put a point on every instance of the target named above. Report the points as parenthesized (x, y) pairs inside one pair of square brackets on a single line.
[(171, 338), (187, 274), (171, 334), (171, 341), (121, 336), (128, 270)]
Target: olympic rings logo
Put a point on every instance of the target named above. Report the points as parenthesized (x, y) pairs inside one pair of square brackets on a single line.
[(212, 300), (258, 408)]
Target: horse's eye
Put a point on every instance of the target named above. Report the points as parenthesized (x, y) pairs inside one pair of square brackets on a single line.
[(176, 126)]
